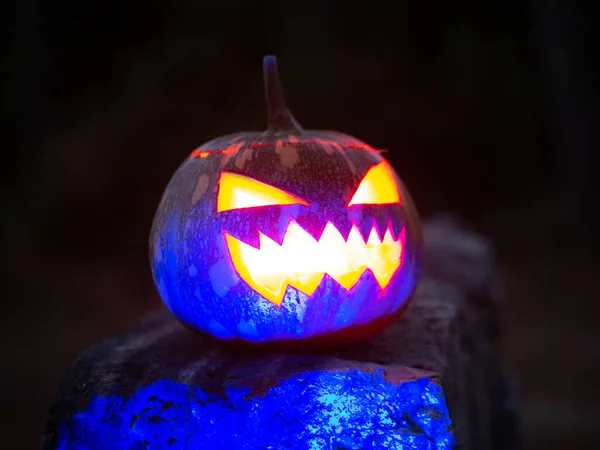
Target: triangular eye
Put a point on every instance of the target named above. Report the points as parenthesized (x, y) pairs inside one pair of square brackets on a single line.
[(378, 187), (238, 191)]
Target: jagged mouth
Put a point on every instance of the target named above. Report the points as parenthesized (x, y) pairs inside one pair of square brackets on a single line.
[(301, 261)]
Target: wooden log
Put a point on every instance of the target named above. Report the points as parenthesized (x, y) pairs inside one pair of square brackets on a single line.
[(433, 380)]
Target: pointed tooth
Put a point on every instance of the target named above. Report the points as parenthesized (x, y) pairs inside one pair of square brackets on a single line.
[(274, 292), (397, 226), (383, 275), (270, 254), (366, 227), (318, 229), (343, 225), (308, 284), (368, 277), (249, 237), (331, 236), (268, 223), (388, 237), (349, 280), (294, 236), (278, 229), (312, 224), (374, 238), (390, 230), (244, 230), (277, 234), (381, 223), (355, 238)]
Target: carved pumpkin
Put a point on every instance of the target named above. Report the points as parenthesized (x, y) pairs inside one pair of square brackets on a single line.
[(286, 235)]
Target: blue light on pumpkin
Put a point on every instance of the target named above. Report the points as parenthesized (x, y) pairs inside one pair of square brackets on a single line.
[(315, 410), (217, 301)]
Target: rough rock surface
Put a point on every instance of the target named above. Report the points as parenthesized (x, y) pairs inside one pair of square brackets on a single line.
[(162, 386)]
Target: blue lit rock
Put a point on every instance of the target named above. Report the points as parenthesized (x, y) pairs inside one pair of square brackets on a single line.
[(164, 387)]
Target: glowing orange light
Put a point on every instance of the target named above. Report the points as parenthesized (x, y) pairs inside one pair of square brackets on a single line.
[(238, 191), (378, 187), (200, 154), (302, 261)]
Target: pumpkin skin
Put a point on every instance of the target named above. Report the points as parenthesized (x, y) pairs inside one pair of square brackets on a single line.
[(199, 274)]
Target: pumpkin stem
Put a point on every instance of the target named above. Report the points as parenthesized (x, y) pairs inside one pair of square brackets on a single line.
[(280, 120)]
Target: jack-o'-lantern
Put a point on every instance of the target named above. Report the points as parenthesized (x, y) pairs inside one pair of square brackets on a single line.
[(289, 235)]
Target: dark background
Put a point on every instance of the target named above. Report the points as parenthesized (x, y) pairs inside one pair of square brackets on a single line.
[(487, 109)]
